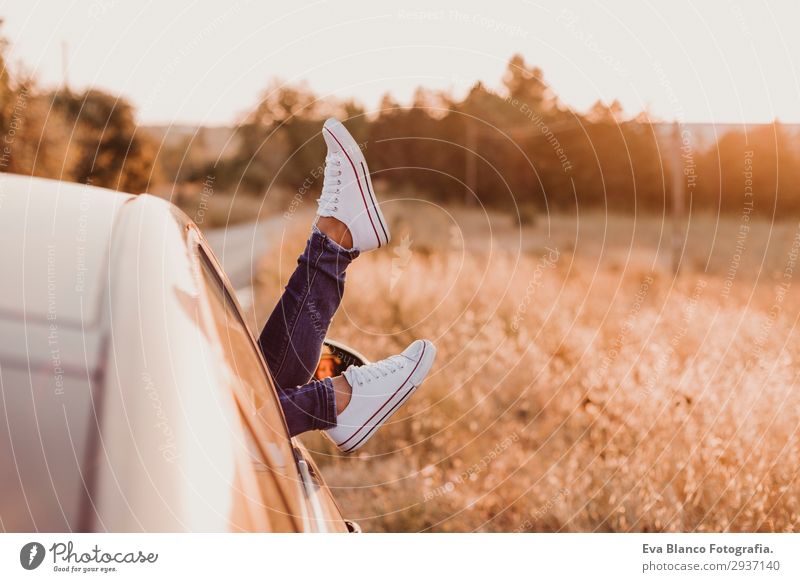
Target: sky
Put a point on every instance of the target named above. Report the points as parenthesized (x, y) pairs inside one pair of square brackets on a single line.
[(721, 61)]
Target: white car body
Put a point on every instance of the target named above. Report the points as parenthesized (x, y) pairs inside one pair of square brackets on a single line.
[(129, 398)]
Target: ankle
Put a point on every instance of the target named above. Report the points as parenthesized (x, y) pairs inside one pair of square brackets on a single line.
[(336, 230), (343, 392)]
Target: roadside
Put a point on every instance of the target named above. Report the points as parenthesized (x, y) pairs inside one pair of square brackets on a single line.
[(240, 248)]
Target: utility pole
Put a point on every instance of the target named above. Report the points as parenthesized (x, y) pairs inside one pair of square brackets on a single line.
[(678, 196), (471, 173), (64, 65)]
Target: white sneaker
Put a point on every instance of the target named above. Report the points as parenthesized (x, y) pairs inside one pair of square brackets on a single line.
[(347, 192), (379, 390)]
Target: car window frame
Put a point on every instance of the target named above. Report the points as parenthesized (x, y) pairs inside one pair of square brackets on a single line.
[(205, 254), (303, 521)]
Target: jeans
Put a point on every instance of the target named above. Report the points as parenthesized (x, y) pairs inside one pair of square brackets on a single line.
[(291, 340)]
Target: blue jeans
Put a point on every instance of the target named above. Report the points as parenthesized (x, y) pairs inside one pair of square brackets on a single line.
[(291, 340)]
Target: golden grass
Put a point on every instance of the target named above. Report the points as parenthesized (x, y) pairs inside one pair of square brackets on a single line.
[(580, 388)]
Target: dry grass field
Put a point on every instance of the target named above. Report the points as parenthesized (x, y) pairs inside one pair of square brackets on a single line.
[(579, 386)]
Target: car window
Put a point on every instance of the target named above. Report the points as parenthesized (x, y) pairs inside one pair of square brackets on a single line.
[(268, 444)]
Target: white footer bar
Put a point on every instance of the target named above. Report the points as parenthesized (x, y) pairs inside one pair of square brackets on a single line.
[(387, 557)]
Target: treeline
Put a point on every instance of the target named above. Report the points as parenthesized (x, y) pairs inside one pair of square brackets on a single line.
[(515, 147), (519, 145)]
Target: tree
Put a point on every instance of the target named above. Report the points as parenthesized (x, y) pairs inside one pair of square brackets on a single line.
[(526, 84), (15, 97), (110, 152), (602, 113), (759, 166), (281, 141)]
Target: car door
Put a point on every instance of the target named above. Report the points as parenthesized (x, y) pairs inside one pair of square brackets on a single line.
[(290, 495)]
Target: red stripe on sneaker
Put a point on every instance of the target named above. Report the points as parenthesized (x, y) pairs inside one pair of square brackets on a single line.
[(374, 203), (378, 424), (387, 400), (358, 181)]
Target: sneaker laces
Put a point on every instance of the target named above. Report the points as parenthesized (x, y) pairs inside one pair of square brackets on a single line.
[(331, 185), (377, 370)]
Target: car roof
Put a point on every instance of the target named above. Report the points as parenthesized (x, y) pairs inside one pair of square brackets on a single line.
[(56, 244), (98, 318), (116, 410)]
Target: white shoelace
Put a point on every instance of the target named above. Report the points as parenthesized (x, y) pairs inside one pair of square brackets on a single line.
[(331, 185), (377, 370)]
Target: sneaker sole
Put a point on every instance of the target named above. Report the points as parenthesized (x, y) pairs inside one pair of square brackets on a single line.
[(379, 424), (394, 402), (372, 200)]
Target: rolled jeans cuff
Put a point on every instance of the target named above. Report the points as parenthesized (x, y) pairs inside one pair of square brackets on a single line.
[(310, 407), (328, 417)]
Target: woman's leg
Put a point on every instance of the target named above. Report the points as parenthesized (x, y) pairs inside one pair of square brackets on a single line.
[(291, 340), (316, 405), (309, 407), (348, 217)]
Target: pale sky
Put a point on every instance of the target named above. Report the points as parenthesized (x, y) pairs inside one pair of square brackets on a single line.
[(207, 62)]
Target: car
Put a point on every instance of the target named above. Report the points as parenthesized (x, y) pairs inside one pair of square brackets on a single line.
[(133, 396)]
